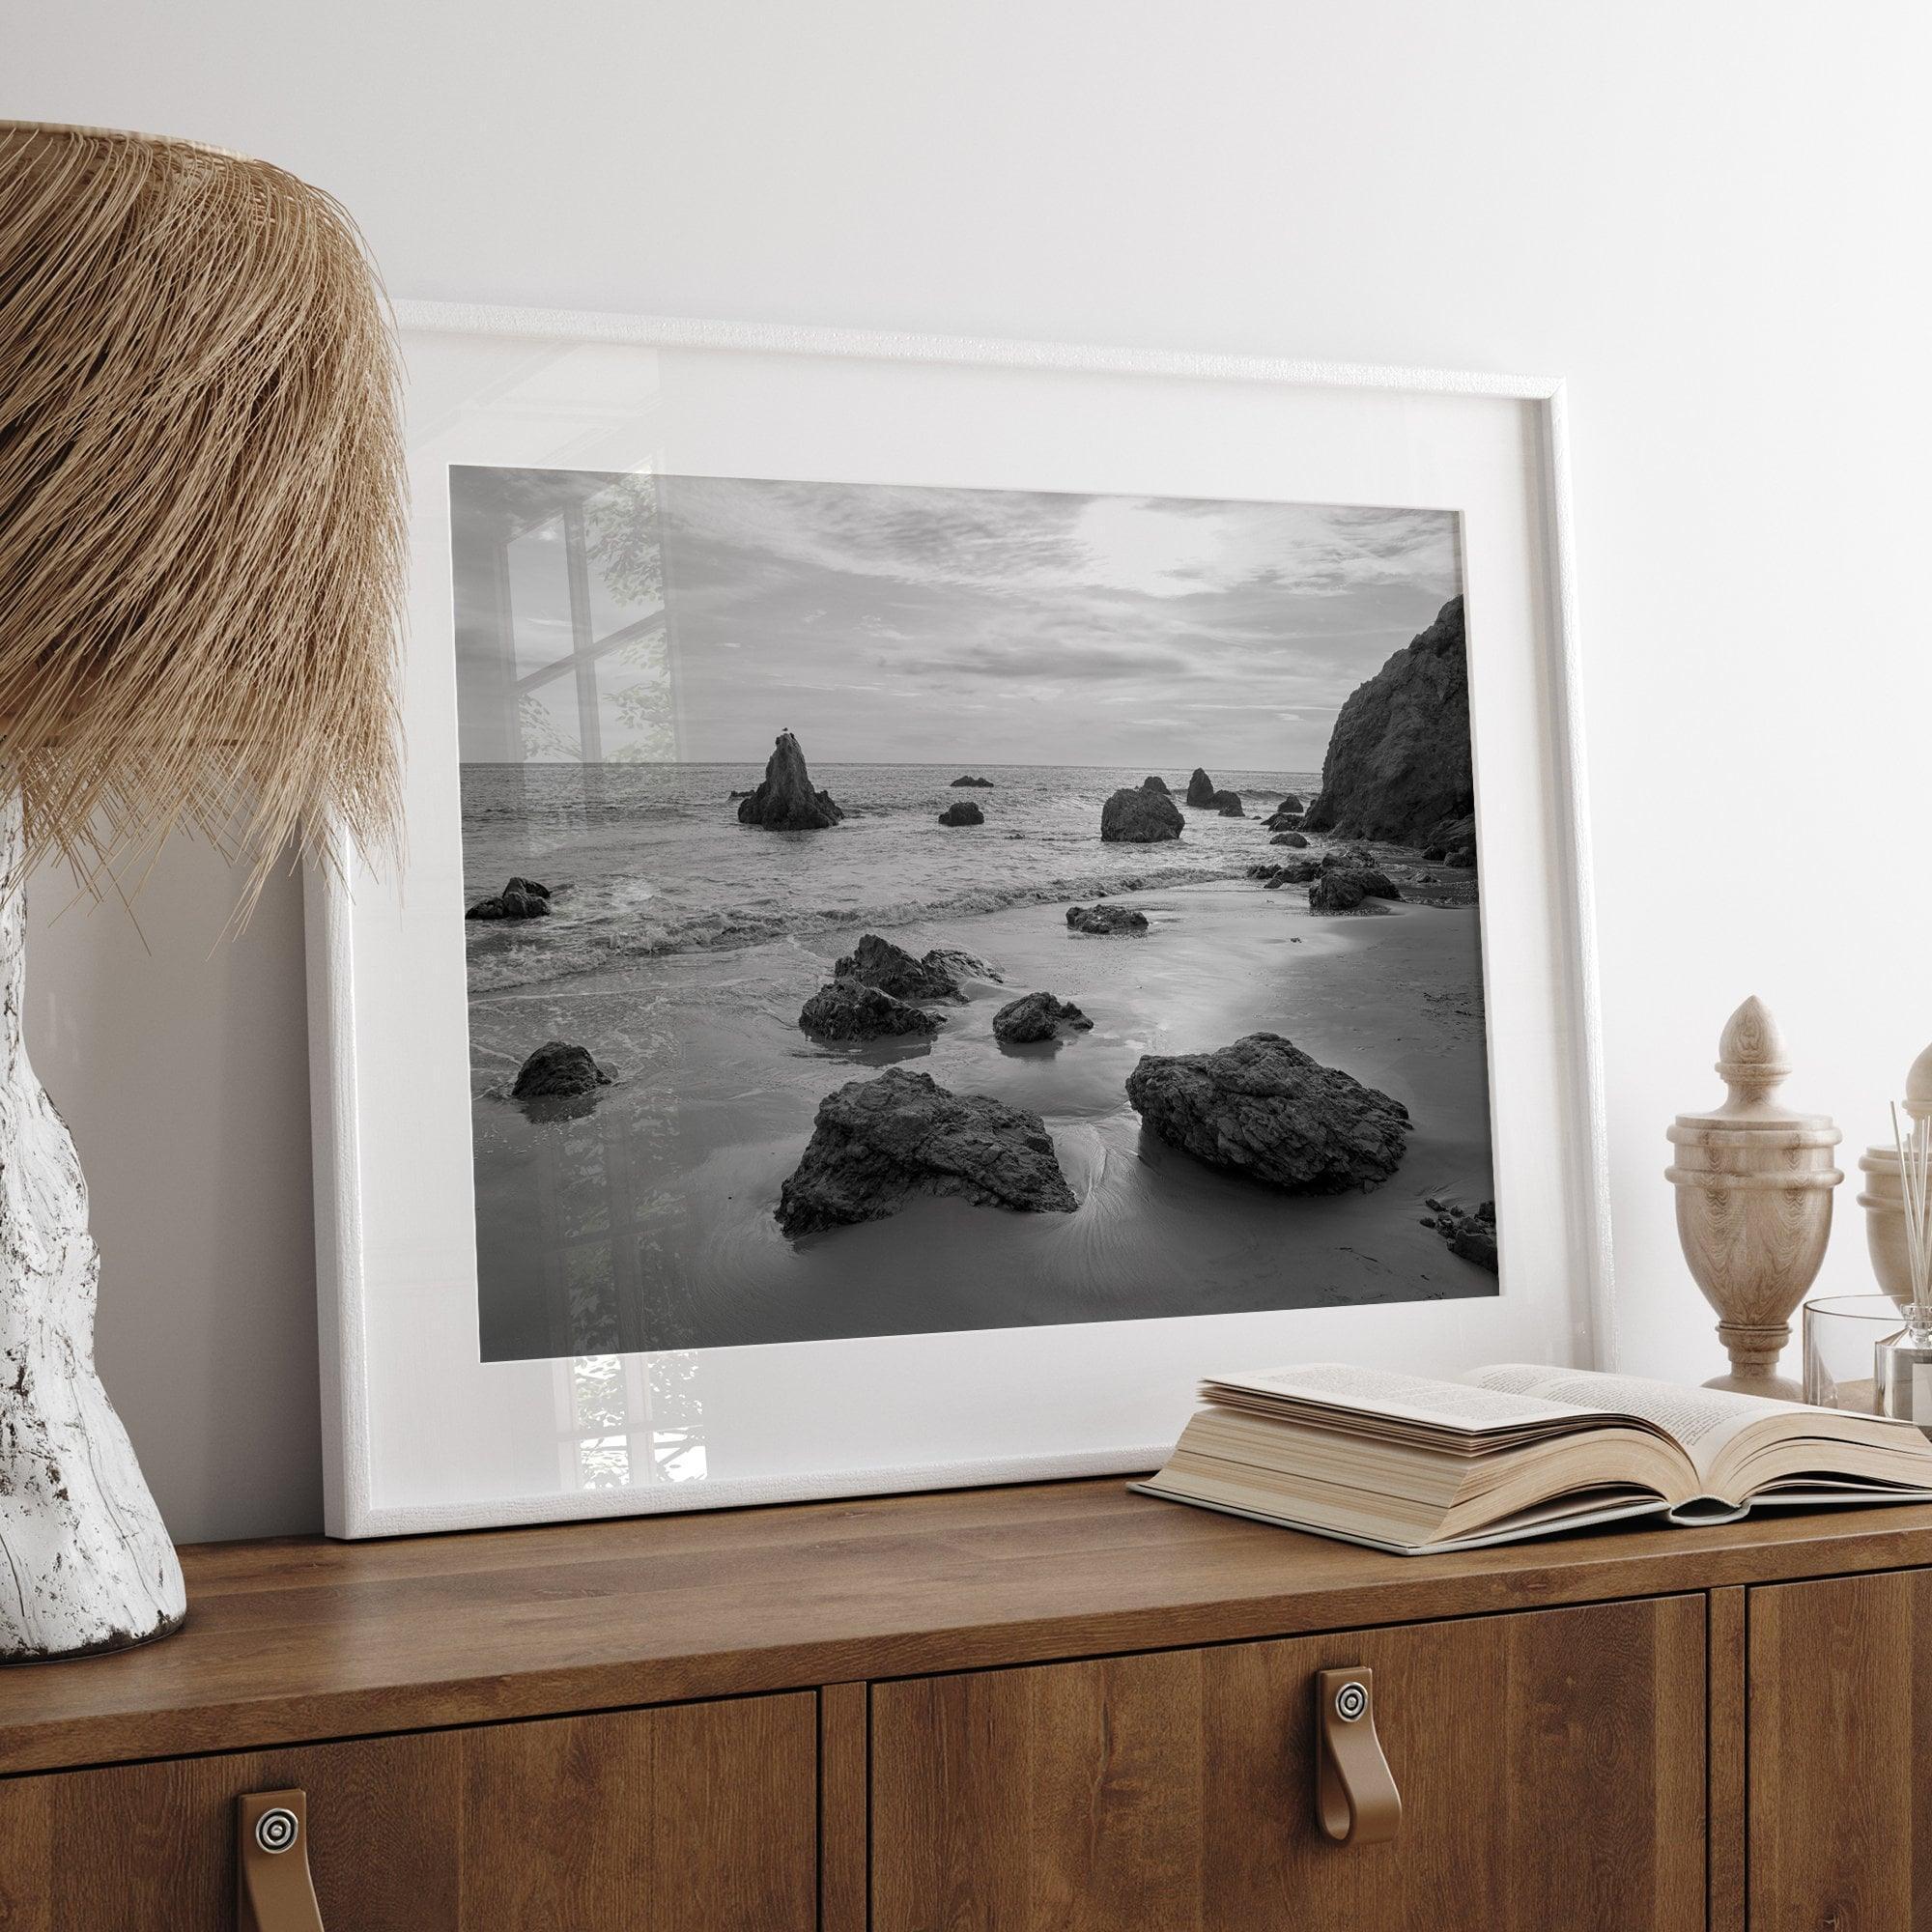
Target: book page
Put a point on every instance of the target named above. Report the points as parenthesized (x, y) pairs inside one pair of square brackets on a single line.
[(1459, 1405), (1703, 1421)]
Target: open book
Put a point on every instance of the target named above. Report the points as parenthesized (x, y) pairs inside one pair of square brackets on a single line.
[(1416, 1466)]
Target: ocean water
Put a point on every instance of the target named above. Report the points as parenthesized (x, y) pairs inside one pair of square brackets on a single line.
[(647, 860)]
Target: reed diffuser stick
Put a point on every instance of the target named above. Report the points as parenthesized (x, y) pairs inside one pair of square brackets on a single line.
[(1912, 1137)]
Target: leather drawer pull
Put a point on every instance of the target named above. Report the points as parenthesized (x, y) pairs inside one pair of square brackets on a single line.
[(1356, 1799), (273, 1890)]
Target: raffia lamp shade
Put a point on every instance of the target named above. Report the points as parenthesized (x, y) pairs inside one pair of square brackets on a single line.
[(201, 501), (201, 555)]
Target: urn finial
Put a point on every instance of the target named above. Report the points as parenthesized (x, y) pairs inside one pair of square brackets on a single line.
[(1919, 1087), (1754, 1181), (1752, 1063)]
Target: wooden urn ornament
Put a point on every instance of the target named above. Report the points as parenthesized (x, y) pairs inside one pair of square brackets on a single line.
[(1753, 1182)]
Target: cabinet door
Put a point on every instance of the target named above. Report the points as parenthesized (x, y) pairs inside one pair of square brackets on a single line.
[(1841, 1733), (694, 1818), (1551, 1766)]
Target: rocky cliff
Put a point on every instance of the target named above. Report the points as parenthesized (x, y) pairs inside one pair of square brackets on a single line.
[(1397, 765)]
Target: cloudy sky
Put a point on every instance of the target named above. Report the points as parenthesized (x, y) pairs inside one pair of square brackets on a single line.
[(1000, 627)]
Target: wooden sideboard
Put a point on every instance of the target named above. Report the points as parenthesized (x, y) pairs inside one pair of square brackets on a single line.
[(998, 1711)]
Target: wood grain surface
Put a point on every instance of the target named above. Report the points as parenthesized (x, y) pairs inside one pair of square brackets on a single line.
[(1841, 1733), (298, 1640), (844, 1778), (1728, 1776), (696, 1818), (1550, 1764)]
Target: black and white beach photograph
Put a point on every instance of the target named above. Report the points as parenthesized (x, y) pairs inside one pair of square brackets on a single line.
[(896, 909)]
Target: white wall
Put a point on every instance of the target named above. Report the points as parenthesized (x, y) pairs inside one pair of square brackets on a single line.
[(1710, 214)]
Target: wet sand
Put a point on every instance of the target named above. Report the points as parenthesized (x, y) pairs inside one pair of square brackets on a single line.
[(663, 1192)]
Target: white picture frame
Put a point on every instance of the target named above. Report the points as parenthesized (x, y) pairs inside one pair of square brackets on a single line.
[(420, 1435)]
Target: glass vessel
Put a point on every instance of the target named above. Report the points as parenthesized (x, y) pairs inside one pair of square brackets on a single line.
[(1842, 1336)]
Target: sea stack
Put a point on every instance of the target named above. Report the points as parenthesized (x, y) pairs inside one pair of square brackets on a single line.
[(786, 802), (1398, 766)]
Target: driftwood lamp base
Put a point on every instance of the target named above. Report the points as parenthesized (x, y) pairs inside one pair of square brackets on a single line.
[(85, 1560)]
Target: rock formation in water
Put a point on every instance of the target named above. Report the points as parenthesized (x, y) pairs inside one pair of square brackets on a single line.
[(1199, 790), (1228, 804), (1289, 803), (1105, 918), (1398, 766), (1264, 1108), (982, 785), (557, 1071), (1295, 838), (1154, 785), (875, 1143), (520, 898), (1140, 817), (891, 969), (963, 812), (1283, 820), (851, 1009), (785, 802), (1295, 872), (1038, 1016), (1470, 1233)]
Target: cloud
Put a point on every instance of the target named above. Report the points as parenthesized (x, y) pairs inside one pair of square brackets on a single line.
[(1020, 626)]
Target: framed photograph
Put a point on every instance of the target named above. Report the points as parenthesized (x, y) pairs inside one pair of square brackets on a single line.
[(952, 889)]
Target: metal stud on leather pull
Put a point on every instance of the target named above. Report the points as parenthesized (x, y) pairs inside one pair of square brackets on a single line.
[(1356, 1802), (274, 1891)]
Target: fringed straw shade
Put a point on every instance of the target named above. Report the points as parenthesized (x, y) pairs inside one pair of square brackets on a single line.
[(202, 529)]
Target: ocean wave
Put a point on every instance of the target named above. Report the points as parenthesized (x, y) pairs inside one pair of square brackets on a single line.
[(563, 951)]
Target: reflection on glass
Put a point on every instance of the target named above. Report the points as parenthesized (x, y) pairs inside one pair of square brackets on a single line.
[(632, 1419)]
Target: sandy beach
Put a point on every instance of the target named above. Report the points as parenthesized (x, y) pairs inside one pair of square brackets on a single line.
[(663, 1194)]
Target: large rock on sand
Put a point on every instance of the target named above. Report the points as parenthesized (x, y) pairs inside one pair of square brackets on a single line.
[(891, 969), (1105, 919), (1398, 764), (1336, 892), (558, 1071), (875, 1143), (962, 812), (785, 802), (1375, 884), (1038, 1016), (1263, 1108), (1140, 817), (851, 1009)]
